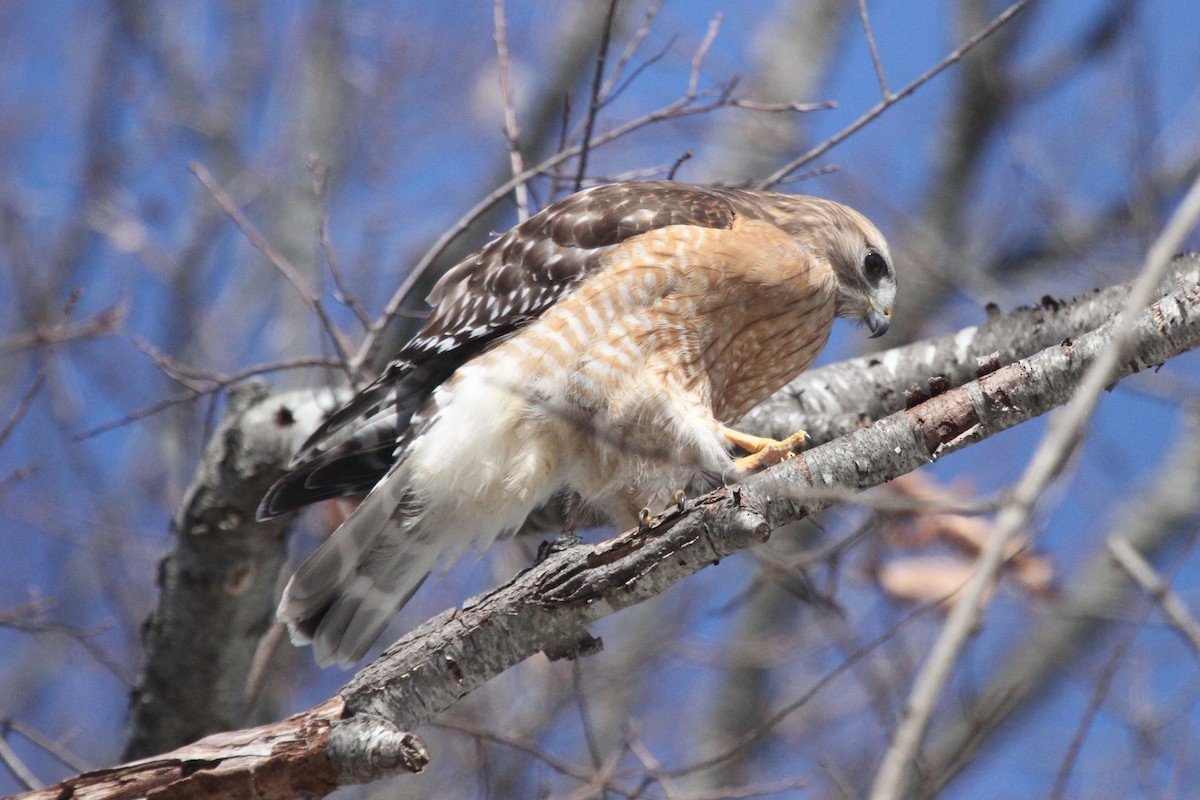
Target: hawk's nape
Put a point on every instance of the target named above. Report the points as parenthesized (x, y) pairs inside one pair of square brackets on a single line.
[(596, 350)]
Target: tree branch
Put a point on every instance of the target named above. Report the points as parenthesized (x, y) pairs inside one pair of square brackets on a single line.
[(1062, 438), (546, 608), (218, 583)]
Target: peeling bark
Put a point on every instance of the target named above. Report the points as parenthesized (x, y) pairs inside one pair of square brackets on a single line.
[(218, 582), (547, 607)]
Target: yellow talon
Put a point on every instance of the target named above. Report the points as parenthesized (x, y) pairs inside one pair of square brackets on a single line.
[(680, 500), (763, 452), (644, 517)]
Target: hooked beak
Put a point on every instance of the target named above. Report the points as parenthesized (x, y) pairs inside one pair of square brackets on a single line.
[(878, 320)]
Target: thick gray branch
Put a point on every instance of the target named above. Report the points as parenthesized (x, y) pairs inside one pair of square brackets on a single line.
[(546, 608), (833, 400), (217, 583)]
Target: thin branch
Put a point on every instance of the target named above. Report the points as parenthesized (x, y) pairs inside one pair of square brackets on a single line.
[(1140, 570), (1062, 439), (105, 323), (775, 108), (582, 774), (28, 619), (594, 103), (1100, 689), (753, 737), (609, 90), (547, 607), (278, 259), (49, 745), (611, 94), (953, 58), (25, 403), (17, 767), (259, 671), (585, 721), (512, 134), (710, 36), (102, 324), (654, 769), (218, 383), (1103, 681), (866, 21), (320, 174), (685, 156)]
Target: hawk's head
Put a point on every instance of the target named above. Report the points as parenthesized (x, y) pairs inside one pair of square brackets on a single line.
[(866, 279)]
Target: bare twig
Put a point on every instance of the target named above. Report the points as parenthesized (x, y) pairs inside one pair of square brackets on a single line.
[(17, 767), (320, 175), (685, 156), (105, 323), (102, 324), (866, 21), (609, 89), (596, 99), (585, 717), (25, 403), (654, 769), (217, 384), (84, 637), (559, 765), (256, 676), (805, 697), (17, 476), (756, 105), (1100, 689), (512, 134), (278, 259), (49, 745), (710, 36), (1141, 571), (1062, 439), (841, 136), (611, 94)]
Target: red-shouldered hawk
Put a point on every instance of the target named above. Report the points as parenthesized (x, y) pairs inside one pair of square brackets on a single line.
[(594, 351)]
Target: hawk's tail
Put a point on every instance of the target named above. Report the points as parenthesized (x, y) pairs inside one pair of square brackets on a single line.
[(347, 592)]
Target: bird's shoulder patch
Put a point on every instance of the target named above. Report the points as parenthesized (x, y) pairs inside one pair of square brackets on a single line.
[(517, 276)]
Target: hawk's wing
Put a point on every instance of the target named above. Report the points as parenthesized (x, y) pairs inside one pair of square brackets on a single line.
[(485, 297)]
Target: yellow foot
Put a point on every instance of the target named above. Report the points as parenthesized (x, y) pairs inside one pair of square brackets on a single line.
[(763, 452)]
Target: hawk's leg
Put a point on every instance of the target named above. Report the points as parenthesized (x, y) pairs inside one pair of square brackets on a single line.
[(572, 507), (763, 452), (567, 538)]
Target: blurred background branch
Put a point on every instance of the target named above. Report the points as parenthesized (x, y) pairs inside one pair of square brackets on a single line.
[(365, 140)]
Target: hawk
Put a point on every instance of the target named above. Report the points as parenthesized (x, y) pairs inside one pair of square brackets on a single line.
[(597, 351)]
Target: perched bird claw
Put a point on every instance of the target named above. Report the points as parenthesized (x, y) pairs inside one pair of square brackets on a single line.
[(548, 356), (644, 519), (765, 452)]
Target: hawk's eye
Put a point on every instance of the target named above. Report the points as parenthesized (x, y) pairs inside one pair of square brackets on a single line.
[(874, 266)]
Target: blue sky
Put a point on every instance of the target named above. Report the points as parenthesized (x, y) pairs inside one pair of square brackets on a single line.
[(418, 143)]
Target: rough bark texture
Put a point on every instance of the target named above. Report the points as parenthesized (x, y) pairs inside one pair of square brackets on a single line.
[(218, 584), (284, 759), (545, 609)]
